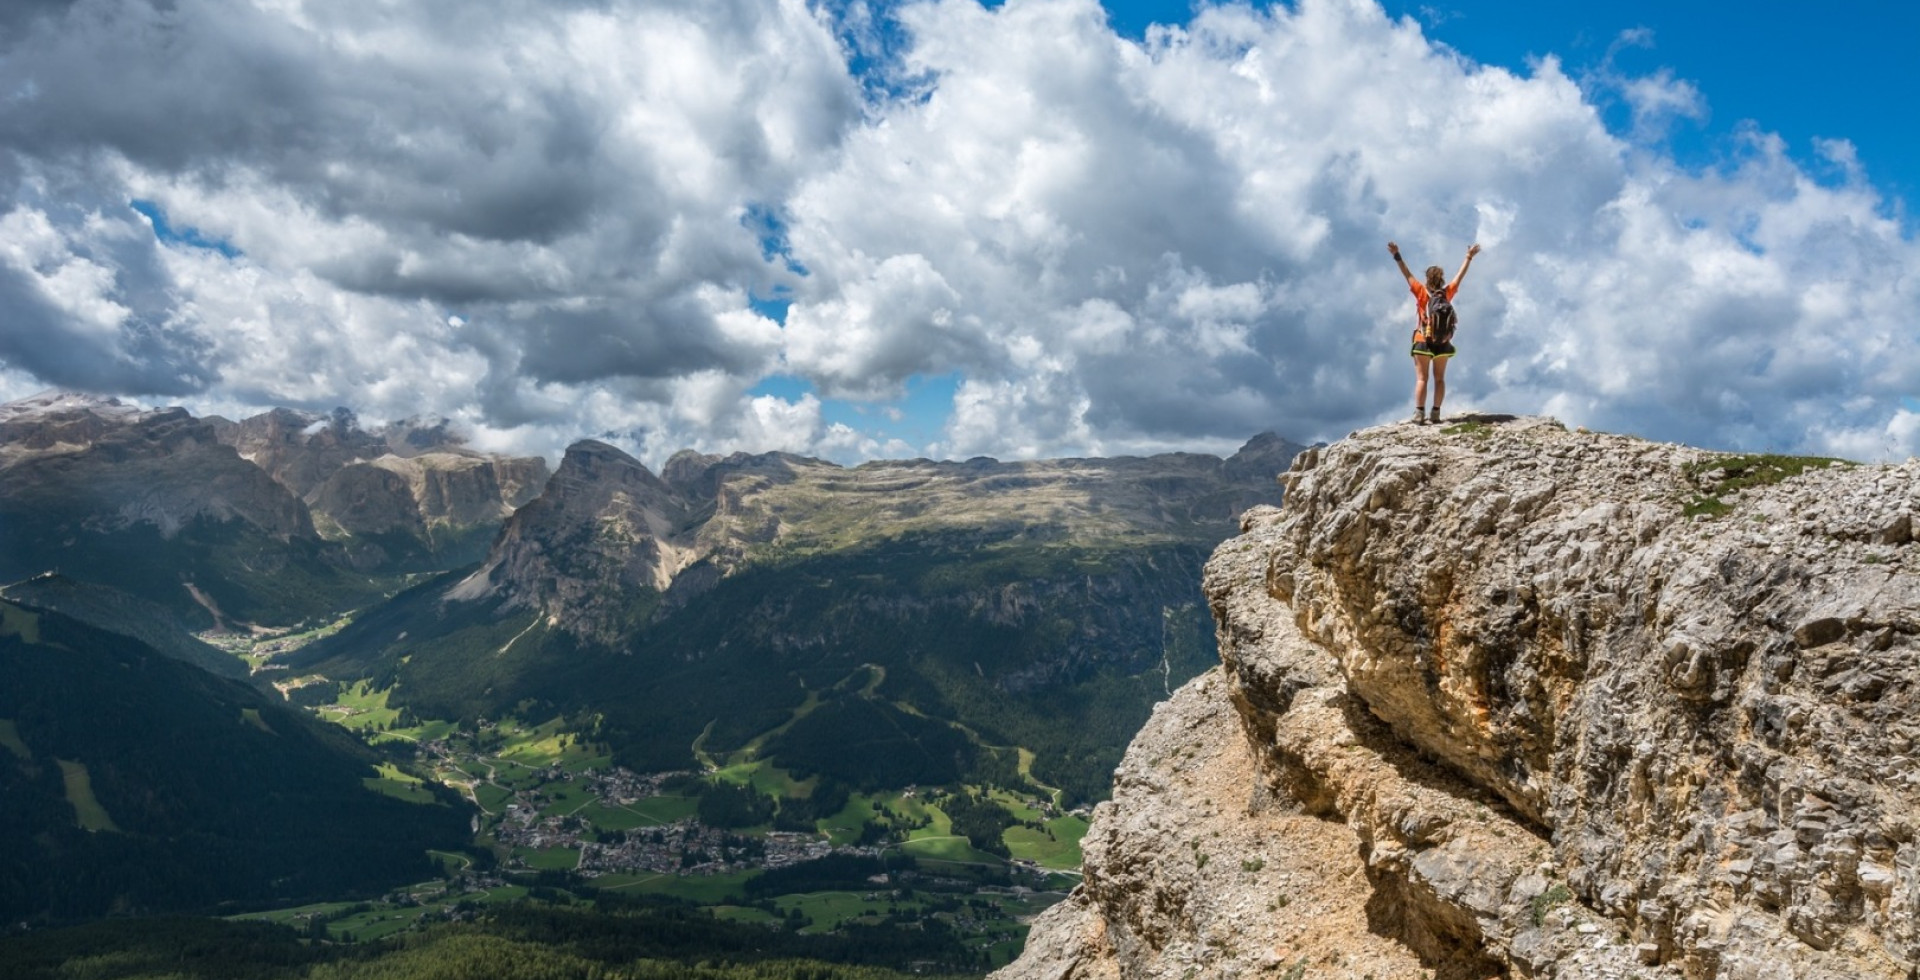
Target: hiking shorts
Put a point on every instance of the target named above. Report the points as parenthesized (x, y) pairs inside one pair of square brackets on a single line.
[(1432, 348)]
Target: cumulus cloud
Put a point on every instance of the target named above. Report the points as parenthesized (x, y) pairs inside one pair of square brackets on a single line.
[(552, 220), (1184, 239)]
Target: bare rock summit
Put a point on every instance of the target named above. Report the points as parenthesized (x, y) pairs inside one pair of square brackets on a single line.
[(1501, 699)]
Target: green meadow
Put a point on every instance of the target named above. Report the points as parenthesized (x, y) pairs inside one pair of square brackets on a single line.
[(87, 811), (10, 740)]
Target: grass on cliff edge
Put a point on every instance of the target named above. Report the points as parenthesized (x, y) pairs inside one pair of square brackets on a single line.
[(1719, 475)]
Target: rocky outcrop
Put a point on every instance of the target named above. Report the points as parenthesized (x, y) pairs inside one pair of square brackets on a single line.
[(299, 449), (413, 477), (366, 499), (1579, 705), (102, 466), (164, 506), (603, 534)]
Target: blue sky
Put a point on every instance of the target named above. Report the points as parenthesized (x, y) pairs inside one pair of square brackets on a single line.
[(1838, 69), (871, 228)]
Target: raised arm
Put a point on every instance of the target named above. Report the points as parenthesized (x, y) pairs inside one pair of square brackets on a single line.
[(1402, 263), (1454, 286)]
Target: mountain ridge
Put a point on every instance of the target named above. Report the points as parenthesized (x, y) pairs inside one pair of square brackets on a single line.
[(202, 794), (722, 511), (976, 587), (167, 508)]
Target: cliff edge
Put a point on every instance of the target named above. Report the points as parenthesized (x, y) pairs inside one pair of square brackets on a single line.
[(1500, 699)]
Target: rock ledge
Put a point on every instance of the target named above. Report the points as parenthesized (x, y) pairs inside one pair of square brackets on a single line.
[(1492, 703)]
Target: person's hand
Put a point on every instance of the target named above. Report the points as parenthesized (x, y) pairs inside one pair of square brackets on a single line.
[(1393, 249), (1473, 250)]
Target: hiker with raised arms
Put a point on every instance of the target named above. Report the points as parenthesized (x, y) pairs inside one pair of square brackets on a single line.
[(1433, 336)]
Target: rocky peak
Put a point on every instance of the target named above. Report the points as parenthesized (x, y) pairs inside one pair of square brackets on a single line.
[(55, 418), (1264, 454), (604, 531), (1581, 706), (413, 436), (407, 477), (104, 465), (685, 469), (301, 449), (700, 477)]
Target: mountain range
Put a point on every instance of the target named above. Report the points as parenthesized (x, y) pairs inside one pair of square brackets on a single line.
[(834, 629), (1042, 604), (276, 520)]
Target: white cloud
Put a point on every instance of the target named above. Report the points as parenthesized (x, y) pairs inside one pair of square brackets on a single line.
[(77, 288), (549, 220)]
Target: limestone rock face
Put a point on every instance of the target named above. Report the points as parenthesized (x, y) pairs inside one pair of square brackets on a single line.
[(1566, 727), (363, 498), (359, 480), (300, 449), (104, 466), (603, 531)]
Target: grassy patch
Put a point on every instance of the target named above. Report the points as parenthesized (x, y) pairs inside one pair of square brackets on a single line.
[(764, 777), (665, 809), (296, 914), (704, 889), (1717, 476), (15, 621), (843, 828), (547, 744), (624, 817), (916, 809), (1705, 507), (1021, 807), (743, 913), (361, 708), (450, 861), (398, 784), (1551, 898), (252, 717), (1062, 850), (831, 910), (566, 799), (549, 859), (1468, 429), (86, 809), (374, 924), (955, 849), (10, 740), (491, 798)]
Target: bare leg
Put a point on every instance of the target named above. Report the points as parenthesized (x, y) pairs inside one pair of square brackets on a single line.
[(1439, 382), (1420, 382)]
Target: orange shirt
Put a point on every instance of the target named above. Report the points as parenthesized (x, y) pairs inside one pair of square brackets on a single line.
[(1420, 298), (1419, 306)]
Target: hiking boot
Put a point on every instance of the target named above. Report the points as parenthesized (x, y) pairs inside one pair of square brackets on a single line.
[(1419, 416), (1434, 416)]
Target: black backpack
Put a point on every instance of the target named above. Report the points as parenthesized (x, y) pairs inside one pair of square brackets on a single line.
[(1440, 318)]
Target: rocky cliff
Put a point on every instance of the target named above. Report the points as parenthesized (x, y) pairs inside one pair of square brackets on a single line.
[(604, 530), (105, 466), (413, 478), (1499, 699), (322, 516)]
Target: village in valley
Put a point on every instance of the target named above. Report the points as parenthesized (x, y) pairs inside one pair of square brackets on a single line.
[(555, 815)]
